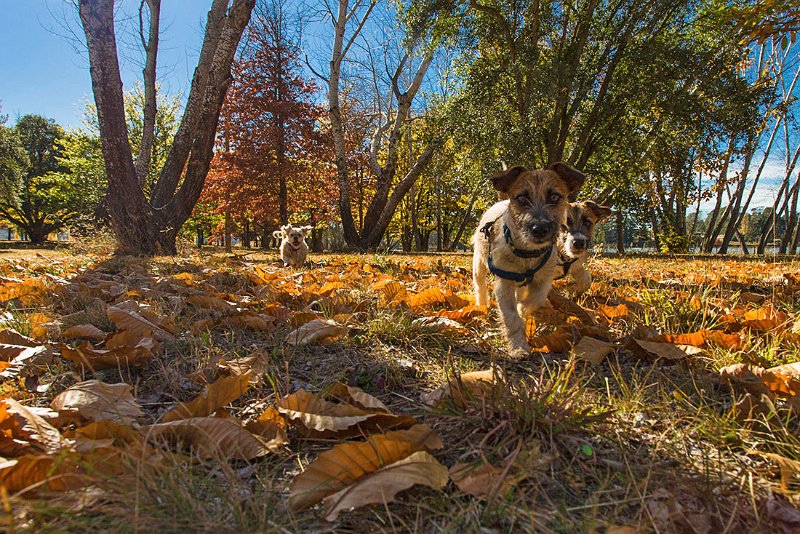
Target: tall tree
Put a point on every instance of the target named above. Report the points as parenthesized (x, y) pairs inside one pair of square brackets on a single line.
[(270, 153), (150, 225), (392, 99), (44, 201), (13, 162)]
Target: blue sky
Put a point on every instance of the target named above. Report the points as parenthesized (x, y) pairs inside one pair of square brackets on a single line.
[(43, 70), (44, 67)]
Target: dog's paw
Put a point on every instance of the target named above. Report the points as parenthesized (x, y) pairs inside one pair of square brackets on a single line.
[(520, 352)]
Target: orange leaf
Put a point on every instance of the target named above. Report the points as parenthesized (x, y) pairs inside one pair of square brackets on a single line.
[(223, 391)]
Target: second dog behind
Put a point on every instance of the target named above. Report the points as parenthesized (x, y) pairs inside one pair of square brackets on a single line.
[(576, 238), (293, 244), (516, 241)]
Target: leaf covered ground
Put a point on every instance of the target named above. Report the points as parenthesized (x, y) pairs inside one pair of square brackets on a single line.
[(367, 392)]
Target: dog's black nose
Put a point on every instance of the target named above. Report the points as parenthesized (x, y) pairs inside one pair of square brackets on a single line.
[(540, 230), (579, 244)]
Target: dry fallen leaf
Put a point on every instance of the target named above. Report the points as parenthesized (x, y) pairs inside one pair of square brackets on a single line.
[(668, 351), (96, 401), (133, 321), (316, 330), (98, 359), (346, 463), (381, 486), (211, 437), (270, 427), (592, 350), (223, 391), (467, 388), (33, 430), (481, 479), (84, 331), (316, 417)]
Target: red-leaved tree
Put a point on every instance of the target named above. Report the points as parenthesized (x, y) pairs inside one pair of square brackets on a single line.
[(271, 149)]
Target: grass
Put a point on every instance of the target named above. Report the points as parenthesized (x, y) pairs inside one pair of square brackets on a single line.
[(651, 445)]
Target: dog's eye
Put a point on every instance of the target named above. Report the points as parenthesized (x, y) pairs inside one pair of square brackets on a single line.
[(553, 197), (569, 221), (585, 221), (523, 199)]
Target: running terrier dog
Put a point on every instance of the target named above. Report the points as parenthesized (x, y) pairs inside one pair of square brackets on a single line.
[(516, 241), (575, 239), (293, 244)]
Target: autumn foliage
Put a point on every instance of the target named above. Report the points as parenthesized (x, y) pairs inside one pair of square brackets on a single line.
[(271, 152)]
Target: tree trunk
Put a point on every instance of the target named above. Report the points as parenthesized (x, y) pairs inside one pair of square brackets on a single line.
[(620, 231), (228, 232), (200, 237), (150, 227)]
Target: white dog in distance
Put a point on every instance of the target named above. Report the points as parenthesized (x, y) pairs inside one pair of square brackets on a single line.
[(293, 244)]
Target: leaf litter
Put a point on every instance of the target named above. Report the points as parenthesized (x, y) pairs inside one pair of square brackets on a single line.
[(273, 323)]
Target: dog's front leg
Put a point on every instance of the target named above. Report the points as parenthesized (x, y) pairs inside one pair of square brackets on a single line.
[(505, 293), (582, 280), (535, 297)]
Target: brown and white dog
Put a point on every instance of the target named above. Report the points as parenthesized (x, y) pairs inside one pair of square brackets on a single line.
[(293, 244), (575, 240), (516, 240)]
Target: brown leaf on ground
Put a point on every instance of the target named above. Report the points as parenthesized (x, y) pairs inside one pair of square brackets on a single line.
[(381, 486), (783, 379), (592, 350), (467, 389), (439, 324), (701, 338), (667, 351), (20, 360), (764, 319), (9, 336), (84, 331), (96, 401), (357, 397), (121, 434), (257, 364), (270, 426), (98, 359), (252, 321), (347, 463), (388, 290), (207, 302), (223, 391), (750, 408), (614, 312), (40, 472), (789, 468), (481, 479), (466, 315), (553, 342), (210, 437), (133, 321), (318, 418), (568, 306), (745, 377), (433, 297), (32, 431), (316, 330)]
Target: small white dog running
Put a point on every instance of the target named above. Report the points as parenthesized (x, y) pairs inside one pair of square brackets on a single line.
[(293, 244)]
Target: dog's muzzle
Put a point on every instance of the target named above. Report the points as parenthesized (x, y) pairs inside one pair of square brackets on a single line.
[(541, 231)]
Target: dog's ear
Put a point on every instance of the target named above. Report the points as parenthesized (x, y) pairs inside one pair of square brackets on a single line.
[(504, 180), (572, 177), (600, 212), (306, 230), (286, 227)]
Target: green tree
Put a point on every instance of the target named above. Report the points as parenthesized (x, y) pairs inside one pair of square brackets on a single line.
[(13, 162), (43, 203)]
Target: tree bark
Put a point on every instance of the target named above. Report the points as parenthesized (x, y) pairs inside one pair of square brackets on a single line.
[(149, 75), (143, 227)]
